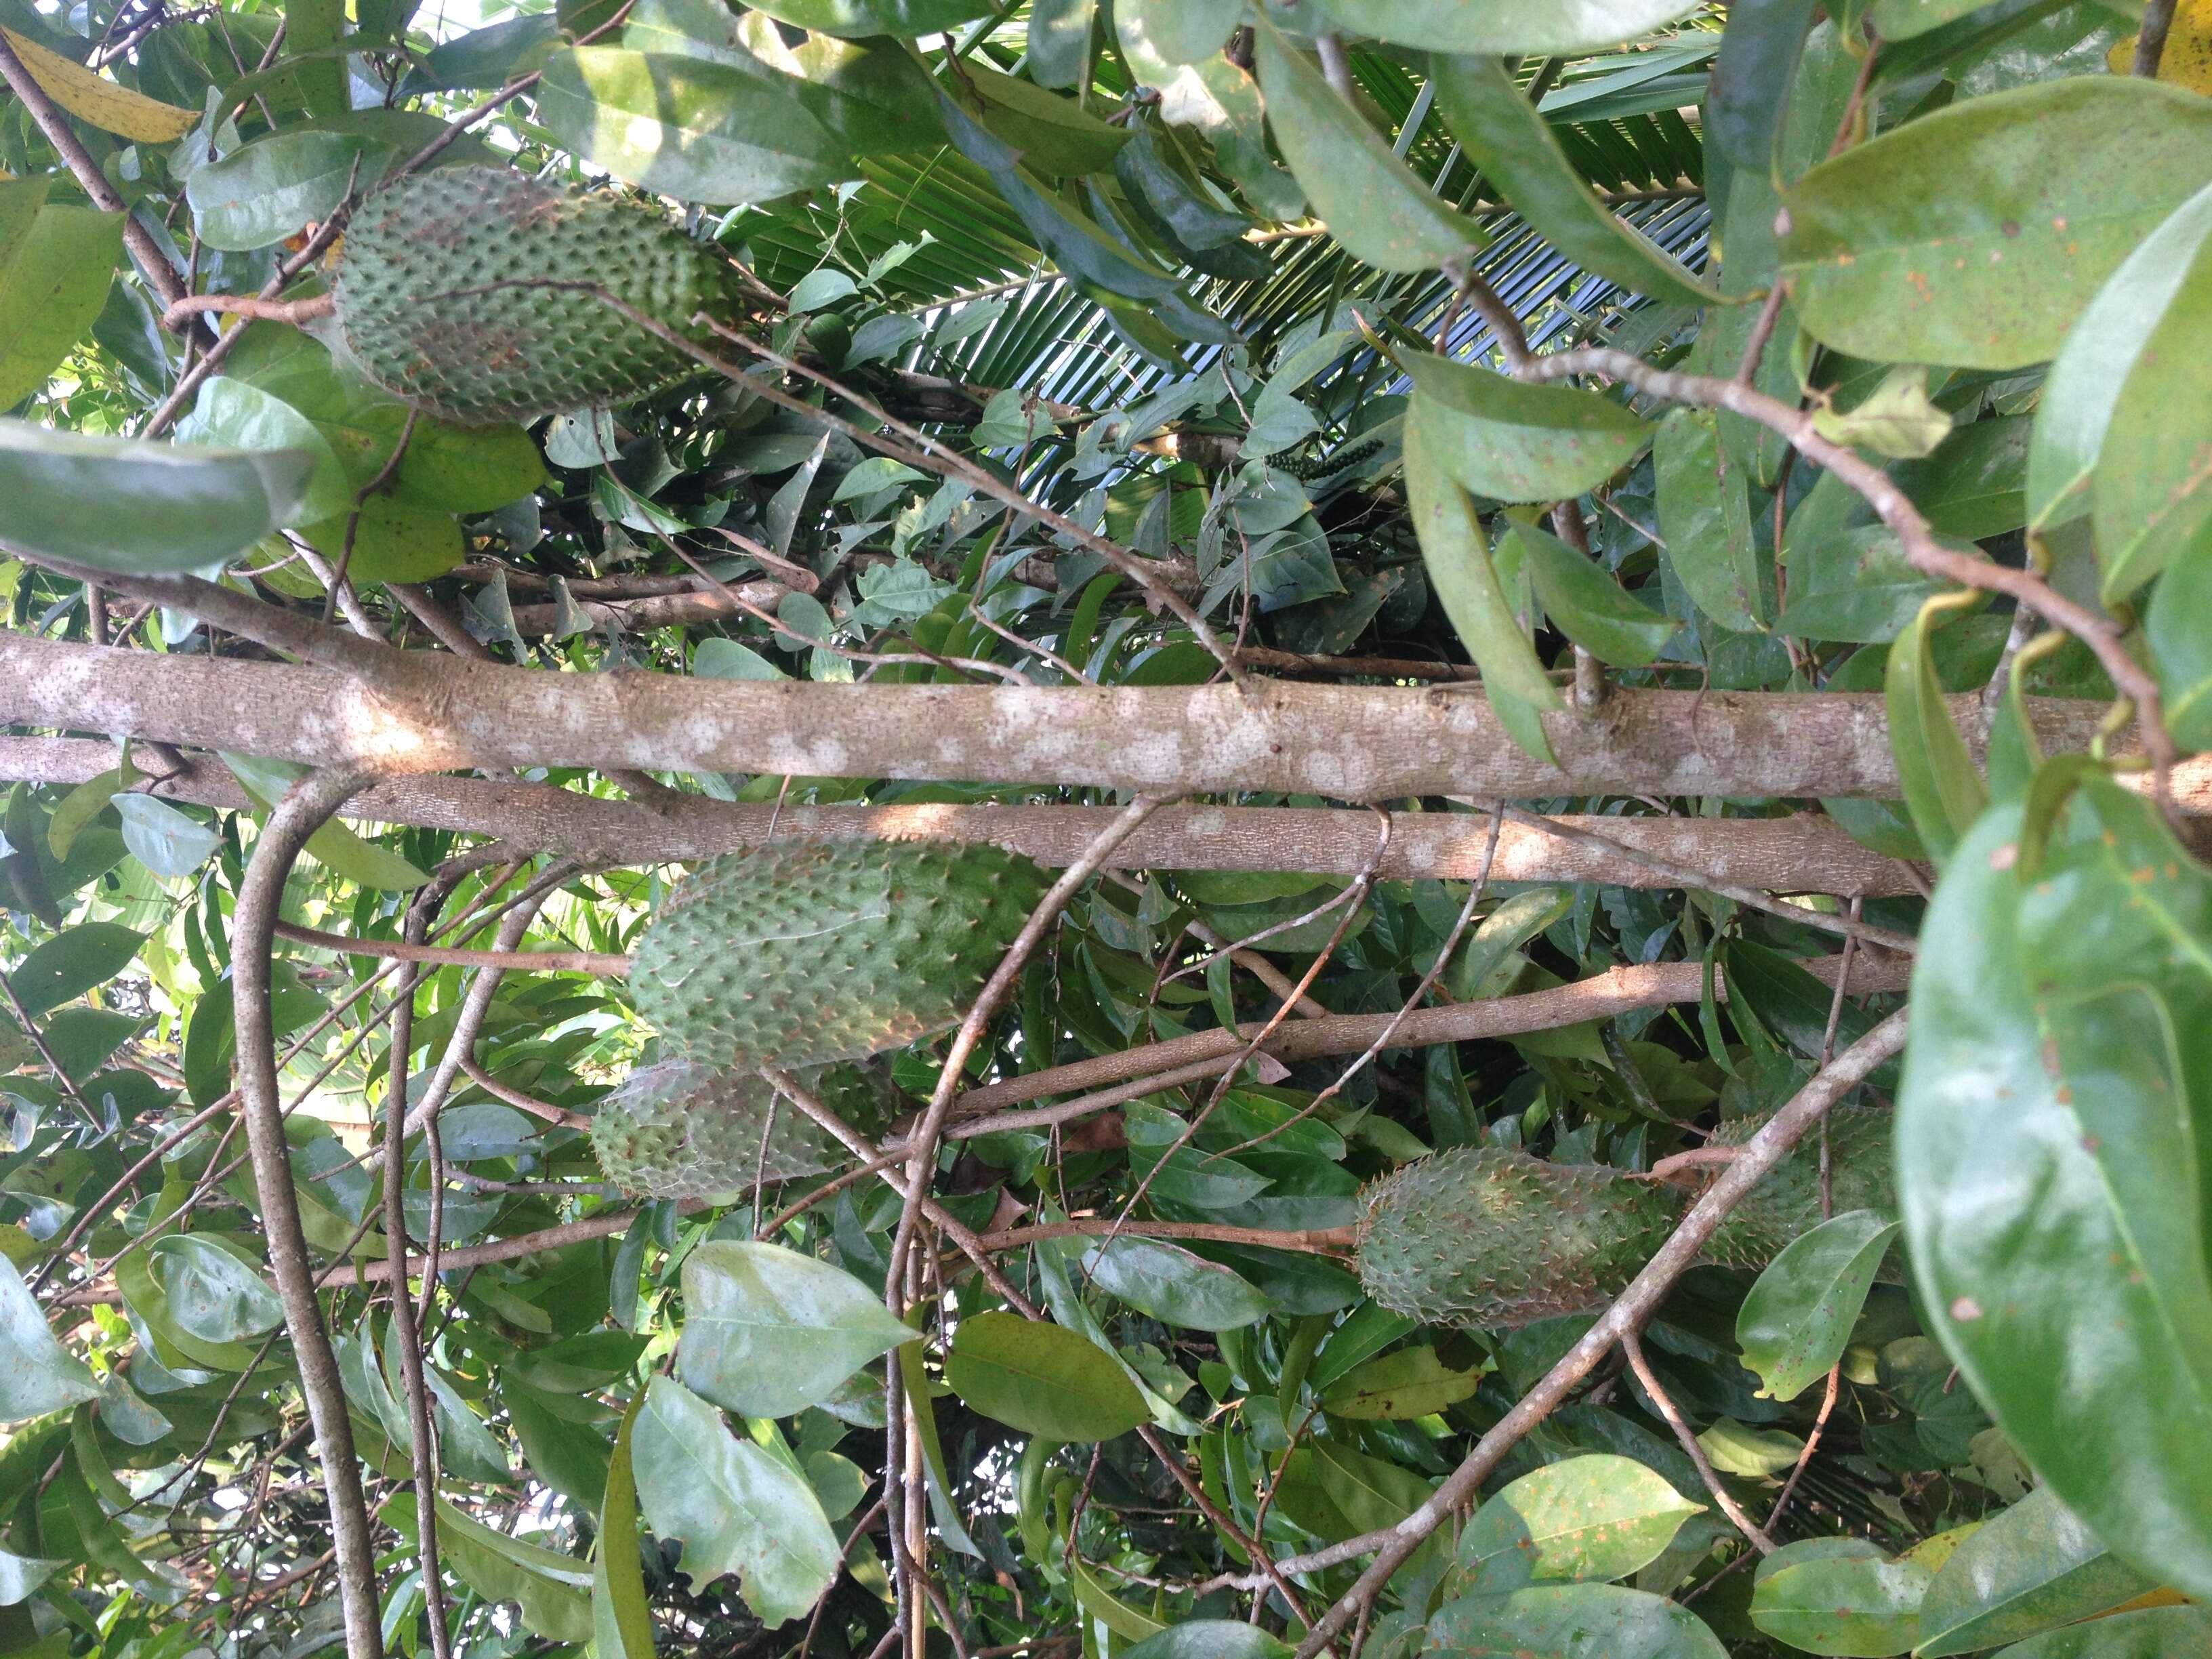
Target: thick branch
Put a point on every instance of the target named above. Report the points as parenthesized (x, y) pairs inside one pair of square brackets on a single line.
[(1351, 743), (1805, 853)]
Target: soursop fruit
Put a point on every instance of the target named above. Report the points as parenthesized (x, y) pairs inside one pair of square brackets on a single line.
[(683, 1130), (800, 953), (434, 301), (1484, 1237)]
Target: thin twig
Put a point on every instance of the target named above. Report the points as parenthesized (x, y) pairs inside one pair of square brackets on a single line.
[(1632, 1346)]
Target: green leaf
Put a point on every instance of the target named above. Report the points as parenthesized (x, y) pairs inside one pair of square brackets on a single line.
[(866, 17), (1409, 1382), (914, 1384), (266, 191), (395, 541), (82, 804), (142, 508), (1057, 137), (56, 264), (734, 1507), (769, 1332), (2083, 389), (2181, 645), (1594, 1517), (162, 838), (1106, 1613), (1793, 1325), (340, 851), (1485, 962), (1735, 1449), (550, 1588), (37, 1374), (1209, 1638), (228, 413), (1174, 1285), (726, 659), (1754, 75), (2152, 1633), (1589, 605), (2151, 492), (1457, 558), (1704, 520), (1901, 19), (1375, 205), (1043, 1379), (2028, 1569), (686, 127), (569, 1457), (1942, 790), (71, 963), (1500, 27), (1059, 42), (1515, 442), (213, 1295), (1843, 1605), (1572, 1622), (1854, 585), (622, 1617), (2046, 1176), (1177, 31), (1514, 147), (1896, 419), (1973, 485), (1976, 235), (1334, 1492)]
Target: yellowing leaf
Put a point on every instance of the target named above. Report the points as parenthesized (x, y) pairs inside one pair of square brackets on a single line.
[(2187, 59), (1895, 419), (111, 108)]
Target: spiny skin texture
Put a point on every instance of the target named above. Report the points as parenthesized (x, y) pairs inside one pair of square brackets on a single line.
[(681, 1130), (1483, 1238), (431, 303), (797, 954)]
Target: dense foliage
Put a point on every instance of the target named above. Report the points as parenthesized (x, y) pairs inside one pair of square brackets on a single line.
[(1352, 825)]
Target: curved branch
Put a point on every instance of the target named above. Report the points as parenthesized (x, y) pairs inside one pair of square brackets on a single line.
[(606, 965), (304, 809)]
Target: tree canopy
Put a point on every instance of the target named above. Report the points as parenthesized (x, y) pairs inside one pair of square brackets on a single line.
[(1106, 829)]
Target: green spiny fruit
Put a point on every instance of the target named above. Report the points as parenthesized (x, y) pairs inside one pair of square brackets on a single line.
[(436, 298), (1480, 1237), (797, 953), (1484, 1237), (681, 1130), (1788, 1202)]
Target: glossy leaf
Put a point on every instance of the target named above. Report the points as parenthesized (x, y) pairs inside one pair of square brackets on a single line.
[(686, 127), (1977, 235), (1593, 1517), (1843, 1605), (1515, 442), (1173, 1285), (1374, 203), (1043, 1379), (2031, 1568), (1754, 75), (229, 413), (37, 1374), (622, 1617), (267, 189), (2153, 1633), (1456, 554), (1704, 518), (1516, 151), (1177, 31), (56, 263), (1589, 605), (1498, 28), (1572, 1622), (2181, 645), (2051, 1203), (110, 108), (212, 1294), (550, 1588), (162, 838), (571, 1458), (2152, 493), (119, 504), (1942, 790), (1409, 1383), (1209, 1638), (769, 1332), (393, 541), (1855, 585), (1793, 1325), (2083, 389), (72, 962), (1973, 486), (733, 1507), (1059, 40), (866, 17)]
